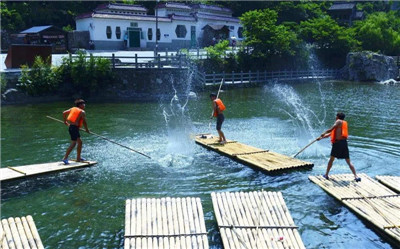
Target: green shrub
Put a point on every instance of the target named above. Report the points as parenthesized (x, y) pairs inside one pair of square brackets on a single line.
[(83, 76), (216, 61), (3, 82), (39, 80)]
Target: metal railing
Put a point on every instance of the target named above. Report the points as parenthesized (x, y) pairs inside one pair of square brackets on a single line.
[(182, 61), (262, 77), (160, 61)]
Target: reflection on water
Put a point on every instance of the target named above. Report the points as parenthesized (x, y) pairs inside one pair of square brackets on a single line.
[(85, 208)]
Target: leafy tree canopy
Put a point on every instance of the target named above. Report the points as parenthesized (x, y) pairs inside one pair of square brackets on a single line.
[(327, 34), (265, 36), (380, 32)]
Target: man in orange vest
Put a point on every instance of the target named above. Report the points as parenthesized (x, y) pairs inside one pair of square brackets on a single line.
[(339, 133), (218, 108), (74, 118)]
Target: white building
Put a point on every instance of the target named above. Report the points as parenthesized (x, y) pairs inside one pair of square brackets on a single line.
[(117, 26)]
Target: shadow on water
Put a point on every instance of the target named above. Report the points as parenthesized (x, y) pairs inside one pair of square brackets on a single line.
[(30, 185)]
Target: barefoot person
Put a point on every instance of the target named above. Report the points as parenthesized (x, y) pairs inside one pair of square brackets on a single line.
[(339, 133), (74, 118), (218, 108)]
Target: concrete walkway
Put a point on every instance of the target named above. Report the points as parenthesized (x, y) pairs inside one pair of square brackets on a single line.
[(57, 58)]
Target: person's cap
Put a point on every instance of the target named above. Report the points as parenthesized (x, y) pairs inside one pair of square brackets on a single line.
[(213, 95)]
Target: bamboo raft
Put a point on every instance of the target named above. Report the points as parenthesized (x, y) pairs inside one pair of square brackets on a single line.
[(369, 199), (165, 223), (260, 159), (12, 173), (255, 220), (392, 182), (19, 232)]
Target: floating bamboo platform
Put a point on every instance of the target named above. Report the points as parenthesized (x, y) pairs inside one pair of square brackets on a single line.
[(258, 158), (392, 182), (369, 199), (165, 223), (12, 173), (255, 220), (19, 232)]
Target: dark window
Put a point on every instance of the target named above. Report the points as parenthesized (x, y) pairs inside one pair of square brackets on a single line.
[(118, 32), (180, 31), (240, 32), (150, 34), (108, 32), (158, 34)]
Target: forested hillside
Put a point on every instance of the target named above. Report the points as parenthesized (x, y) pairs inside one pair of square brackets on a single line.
[(273, 30)]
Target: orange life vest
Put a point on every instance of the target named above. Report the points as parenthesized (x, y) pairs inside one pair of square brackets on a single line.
[(74, 114), (345, 132), (220, 106)]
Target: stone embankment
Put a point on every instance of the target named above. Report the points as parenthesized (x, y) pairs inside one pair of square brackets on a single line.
[(130, 85), (369, 66)]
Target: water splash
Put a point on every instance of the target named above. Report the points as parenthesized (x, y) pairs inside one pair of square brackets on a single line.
[(390, 82), (300, 114), (179, 126), (315, 64)]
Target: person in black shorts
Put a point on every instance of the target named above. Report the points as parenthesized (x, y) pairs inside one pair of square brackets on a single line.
[(218, 108), (339, 134), (74, 118)]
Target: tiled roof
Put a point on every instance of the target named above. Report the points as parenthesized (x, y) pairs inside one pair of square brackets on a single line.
[(211, 7), (174, 6), (130, 17), (83, 16), (119, 6), (182, 18), (342, 6), (217, 18), (36, 29)]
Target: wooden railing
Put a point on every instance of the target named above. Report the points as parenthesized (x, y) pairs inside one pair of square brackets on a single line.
[(262, 77), (181, 61), (168, 60)]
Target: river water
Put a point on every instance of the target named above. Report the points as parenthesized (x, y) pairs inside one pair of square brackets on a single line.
[(86, 208)]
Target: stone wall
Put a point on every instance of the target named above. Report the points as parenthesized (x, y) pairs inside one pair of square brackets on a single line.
[(151, 84), (131, 84)]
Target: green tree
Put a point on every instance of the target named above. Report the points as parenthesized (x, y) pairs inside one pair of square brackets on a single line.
[(332, 41), (289, 11), (264, 36), (380, 32), (369, 7), (11, 19)]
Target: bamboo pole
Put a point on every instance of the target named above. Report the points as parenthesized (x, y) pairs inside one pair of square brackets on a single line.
[(109, 140), (305, 147)]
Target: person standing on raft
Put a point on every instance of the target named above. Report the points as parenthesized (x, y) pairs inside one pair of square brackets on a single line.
[(74, 118), (339, 134), (218, 108)]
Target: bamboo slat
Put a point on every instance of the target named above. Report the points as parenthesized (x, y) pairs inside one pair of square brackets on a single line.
[(258, 158), (20, 232), (369, 199), (165, 223), (11, 173), (392, 182), (255, 220)]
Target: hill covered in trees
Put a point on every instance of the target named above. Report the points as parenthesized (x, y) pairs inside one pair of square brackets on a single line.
[(275, 31)]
